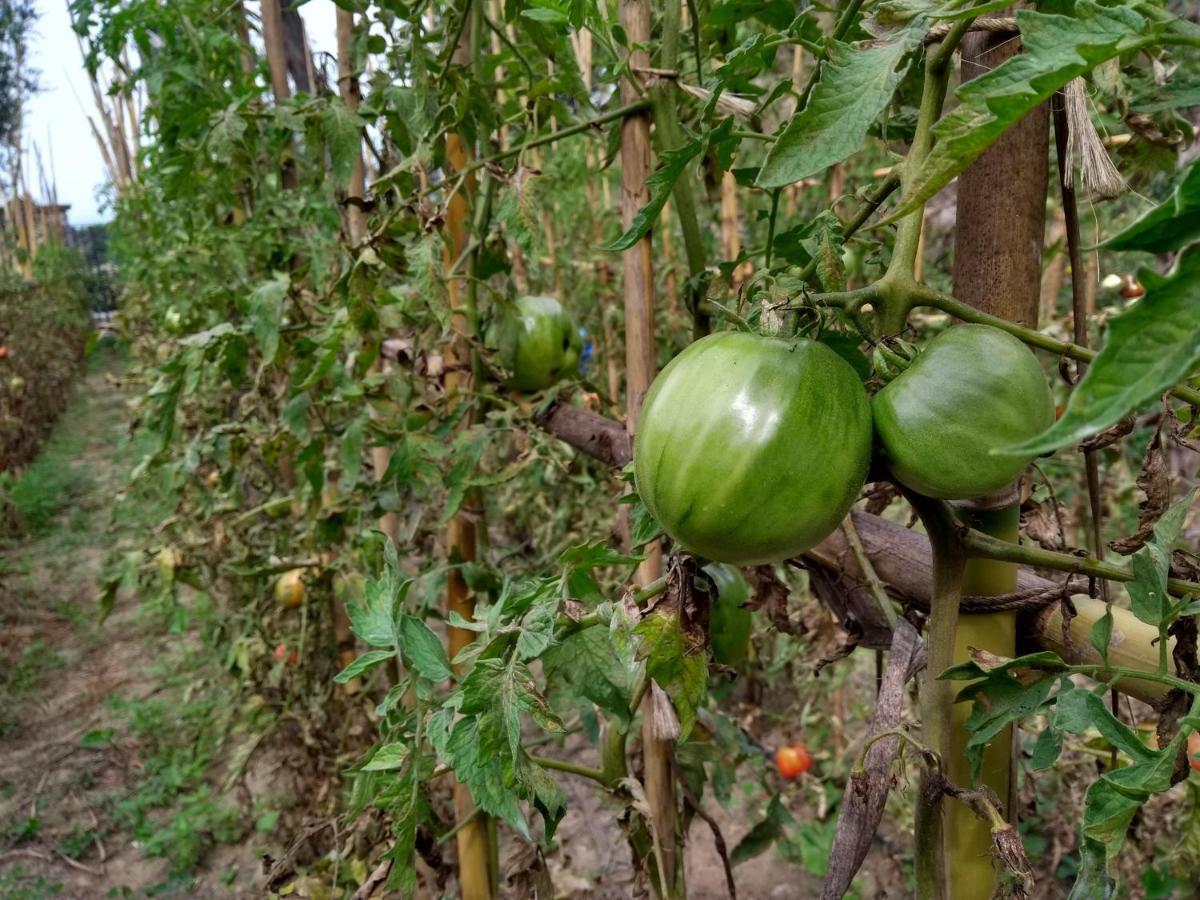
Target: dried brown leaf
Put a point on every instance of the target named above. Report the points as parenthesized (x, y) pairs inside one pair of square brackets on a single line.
[(1155, 482)]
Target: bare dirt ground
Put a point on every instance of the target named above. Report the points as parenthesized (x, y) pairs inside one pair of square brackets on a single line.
[(70, 768)]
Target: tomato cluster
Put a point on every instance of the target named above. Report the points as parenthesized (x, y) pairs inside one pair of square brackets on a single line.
[(752, 449)]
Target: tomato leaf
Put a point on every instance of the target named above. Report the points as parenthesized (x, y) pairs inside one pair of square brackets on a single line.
[(596, 668), (1172, 224), (659, 183), (1148, 597), (342, 129), (386, 758), (855, 86), (368, 660), (423, 651), (1150, 347), (682, 673), (1056, 49)]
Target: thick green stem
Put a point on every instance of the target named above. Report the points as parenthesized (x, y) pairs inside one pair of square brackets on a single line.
[(937, 697), (972, 875), (978, 544), (902, 267), (671, 137)]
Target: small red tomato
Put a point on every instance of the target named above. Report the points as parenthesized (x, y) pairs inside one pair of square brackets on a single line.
[(3, 351), (293, 658), (792, 761), (281, 652), (1131, 288), (1194, 750)]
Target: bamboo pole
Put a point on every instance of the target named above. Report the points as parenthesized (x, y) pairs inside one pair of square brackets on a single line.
[(277, 66), (475, 852), (639, 372), (997, 268)]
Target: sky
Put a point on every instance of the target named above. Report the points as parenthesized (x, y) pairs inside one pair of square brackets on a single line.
[(56, 117)]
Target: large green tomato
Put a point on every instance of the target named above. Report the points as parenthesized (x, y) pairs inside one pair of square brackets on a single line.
[(538, 344), (751, 449), (974, 389), (729, 624)]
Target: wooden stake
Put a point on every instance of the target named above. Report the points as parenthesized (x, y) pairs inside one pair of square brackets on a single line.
[(639, 372), (474, 830)]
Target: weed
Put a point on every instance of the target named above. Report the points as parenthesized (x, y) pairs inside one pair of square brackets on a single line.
[(16, 885)]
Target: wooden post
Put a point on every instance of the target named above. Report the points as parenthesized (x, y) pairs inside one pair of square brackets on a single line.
[(474, 830), (356, 218), (273, 41), (639, 373), (997, 268)]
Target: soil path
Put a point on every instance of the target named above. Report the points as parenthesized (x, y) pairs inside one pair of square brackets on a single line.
[(72, 772)]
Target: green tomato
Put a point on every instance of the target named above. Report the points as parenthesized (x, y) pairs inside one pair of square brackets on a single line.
[(729, 624), (973, 390), (536, 344), (751, 449)]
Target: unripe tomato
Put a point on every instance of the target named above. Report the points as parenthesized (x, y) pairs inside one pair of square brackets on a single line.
[(793, 761), (751, 449), (729, 624), (973, 390), (289, 589), (1193, 750), (538, 344)]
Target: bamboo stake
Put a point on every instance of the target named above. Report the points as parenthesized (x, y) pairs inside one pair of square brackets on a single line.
[(474, 835), (639, 372), (356, 219)]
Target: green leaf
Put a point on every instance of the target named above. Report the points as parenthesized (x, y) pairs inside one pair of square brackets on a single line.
[(351, 451), (1047, 749), (342, 129), (386, 758), (659, 183), (681, 671), (537, 628), (764, 833), (423, 652), (1056, 48), (1172, 224), (368, 660), (596, 668), (266, 313), (295, 415), (1150, 347), (1148, 596), (855, 86), (1101, 634), (228, 129), (546, 16)]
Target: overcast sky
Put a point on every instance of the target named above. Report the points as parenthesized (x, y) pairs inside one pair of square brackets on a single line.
[(57, 116)]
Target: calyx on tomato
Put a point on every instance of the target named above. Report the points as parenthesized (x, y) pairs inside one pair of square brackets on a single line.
[(729, 625), (972, 390), (751, 449), (538, 343)]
